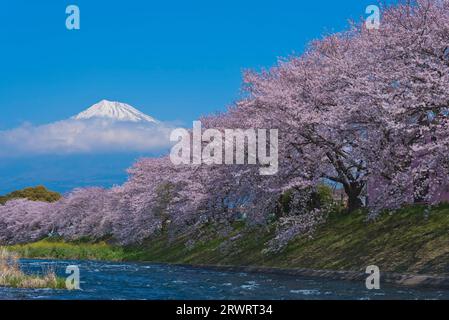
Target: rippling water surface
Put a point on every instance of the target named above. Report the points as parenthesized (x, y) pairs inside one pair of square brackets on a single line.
[(103, 280)]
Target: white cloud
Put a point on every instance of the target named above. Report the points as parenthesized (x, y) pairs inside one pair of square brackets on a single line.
[(88, 136)]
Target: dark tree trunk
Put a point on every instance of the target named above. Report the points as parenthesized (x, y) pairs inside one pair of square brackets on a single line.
[(354, 203), (353, 191)]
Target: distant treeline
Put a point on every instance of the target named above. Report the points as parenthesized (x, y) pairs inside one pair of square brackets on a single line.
[(39, 193)]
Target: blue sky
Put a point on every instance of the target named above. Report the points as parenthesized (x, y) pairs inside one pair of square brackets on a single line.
[(174, 60)]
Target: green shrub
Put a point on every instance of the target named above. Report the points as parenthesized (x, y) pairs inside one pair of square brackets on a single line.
[(39, 193)]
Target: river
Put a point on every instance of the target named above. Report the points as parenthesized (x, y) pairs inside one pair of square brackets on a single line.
[(136, 281)]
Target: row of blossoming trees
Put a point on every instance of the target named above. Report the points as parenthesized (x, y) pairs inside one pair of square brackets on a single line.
[(366, 109)]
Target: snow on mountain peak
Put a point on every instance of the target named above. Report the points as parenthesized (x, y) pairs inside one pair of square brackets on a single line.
[(114, 110)]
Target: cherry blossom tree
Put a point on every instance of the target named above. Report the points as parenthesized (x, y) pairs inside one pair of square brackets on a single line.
[(364, 109), (84, 213), (400, 99), (23, 220), (300, 97)]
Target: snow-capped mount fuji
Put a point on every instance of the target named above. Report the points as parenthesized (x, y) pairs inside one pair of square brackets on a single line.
[(113, 110)]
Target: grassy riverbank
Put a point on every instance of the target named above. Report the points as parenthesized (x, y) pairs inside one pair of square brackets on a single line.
[(408, 241), (70, 251), (12, 276)]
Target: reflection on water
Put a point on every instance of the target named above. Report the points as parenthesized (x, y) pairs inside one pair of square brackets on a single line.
[(102, 280)]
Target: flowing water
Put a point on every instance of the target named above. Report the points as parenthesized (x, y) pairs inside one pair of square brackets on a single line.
[(109, 280)]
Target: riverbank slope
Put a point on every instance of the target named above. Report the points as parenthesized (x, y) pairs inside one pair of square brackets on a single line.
[(410, 241)]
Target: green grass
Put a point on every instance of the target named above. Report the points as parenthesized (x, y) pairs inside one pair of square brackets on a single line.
[(69, 250), (404, 242), (12, 276), (33, 282)]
